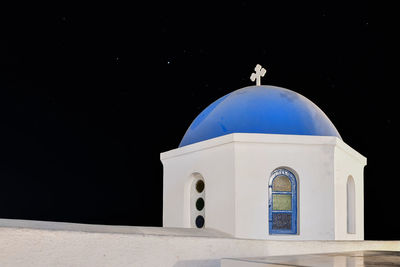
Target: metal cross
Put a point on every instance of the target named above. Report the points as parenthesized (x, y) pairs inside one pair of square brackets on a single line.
[(260, 72)]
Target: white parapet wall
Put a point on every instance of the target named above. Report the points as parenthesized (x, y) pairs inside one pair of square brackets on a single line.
[(35, 243)]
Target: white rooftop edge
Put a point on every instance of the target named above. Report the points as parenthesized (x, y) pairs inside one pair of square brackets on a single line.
[(265, 138), (111, 229), (38, 243)]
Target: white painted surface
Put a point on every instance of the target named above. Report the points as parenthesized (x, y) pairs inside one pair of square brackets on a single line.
[(236, 169), (346, 164), (351, 205), (337, 259), (32, 243), (215, 165), (313, 166)]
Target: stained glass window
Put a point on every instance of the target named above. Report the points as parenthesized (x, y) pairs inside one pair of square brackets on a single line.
[(282, 221), (282, 202), (281, 183)]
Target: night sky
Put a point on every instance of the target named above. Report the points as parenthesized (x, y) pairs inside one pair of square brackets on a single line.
[(90, 95)]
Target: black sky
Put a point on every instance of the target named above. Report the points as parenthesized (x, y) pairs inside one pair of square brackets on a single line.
[(90, 95)]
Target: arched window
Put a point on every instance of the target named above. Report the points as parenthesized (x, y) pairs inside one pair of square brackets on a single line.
[(282, 202), (197, 202), (351, 206)]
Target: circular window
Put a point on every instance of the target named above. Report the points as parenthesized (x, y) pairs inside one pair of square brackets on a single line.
[(199, 186), (200, 221), (200, 204)]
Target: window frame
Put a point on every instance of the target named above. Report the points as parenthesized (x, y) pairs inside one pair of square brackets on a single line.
[(276, 173), (195, 195)]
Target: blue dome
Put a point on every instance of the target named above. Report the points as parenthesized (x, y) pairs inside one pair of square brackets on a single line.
[(259, 109)]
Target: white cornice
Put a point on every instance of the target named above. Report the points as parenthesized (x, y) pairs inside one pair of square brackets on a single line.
[(263, 139)]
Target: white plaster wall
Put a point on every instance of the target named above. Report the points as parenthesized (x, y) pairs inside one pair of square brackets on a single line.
[(236, 169), (348, 162), (30, 243), (311, 159), (214, 160)]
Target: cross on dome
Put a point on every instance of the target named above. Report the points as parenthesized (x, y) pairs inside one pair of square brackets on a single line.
[(260, 72)]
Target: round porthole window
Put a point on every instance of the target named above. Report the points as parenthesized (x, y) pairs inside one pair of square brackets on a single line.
[(200, 204), (199, 221), (199, 186)]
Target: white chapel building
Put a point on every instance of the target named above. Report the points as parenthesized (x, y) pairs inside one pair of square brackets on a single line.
[(264, 162), (261, 178)]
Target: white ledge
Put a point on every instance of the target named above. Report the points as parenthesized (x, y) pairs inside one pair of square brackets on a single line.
[(36, 243), (265, 139), (111, 229)]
